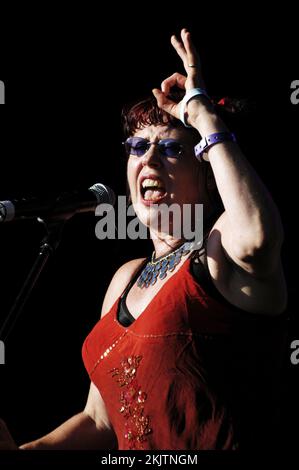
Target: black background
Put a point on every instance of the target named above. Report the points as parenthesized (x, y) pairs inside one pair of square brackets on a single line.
[(67, 75)]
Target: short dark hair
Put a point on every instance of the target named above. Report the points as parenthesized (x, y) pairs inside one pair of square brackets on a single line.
[(146, 113)]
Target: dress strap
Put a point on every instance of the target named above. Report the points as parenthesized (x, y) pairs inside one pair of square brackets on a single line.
[(134, 278), (124, 316)]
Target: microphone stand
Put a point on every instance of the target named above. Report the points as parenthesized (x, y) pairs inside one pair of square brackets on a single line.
[(48, 246)]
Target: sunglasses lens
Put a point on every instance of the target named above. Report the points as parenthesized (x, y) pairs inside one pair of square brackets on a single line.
[(170, 148), (139, 146), (136, 146)]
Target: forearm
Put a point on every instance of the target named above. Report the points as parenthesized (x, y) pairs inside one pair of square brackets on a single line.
[(248, 205), (78, 433)]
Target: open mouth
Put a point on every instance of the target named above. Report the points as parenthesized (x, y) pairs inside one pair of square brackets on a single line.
[(152, 189)]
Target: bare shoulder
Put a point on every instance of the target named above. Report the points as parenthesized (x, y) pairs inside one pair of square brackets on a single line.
[(119, 282)]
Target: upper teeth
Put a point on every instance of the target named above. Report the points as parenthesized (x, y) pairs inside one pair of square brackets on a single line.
[(152, 183)]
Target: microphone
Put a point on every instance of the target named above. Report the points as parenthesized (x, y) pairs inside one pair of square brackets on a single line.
[(62, 207)]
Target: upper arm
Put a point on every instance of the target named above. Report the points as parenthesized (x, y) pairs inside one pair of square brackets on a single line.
[(252, 285), (119, 282), (259, 261)]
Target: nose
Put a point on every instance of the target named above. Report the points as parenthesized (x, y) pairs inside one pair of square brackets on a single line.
[(152, 157)]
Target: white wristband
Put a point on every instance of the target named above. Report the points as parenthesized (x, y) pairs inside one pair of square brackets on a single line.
[(190, 94)]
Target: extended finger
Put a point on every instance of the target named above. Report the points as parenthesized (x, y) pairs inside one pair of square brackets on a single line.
[(193, 60), (194, 69), (180, 49), (176, 79)]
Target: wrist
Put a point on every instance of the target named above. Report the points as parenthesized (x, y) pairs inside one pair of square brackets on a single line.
[(199, 107), (209, 141), (207, 120)]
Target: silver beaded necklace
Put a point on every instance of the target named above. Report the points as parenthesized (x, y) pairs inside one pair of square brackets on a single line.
[(158, 268)]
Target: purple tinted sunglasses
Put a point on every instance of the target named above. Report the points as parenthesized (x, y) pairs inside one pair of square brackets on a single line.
[(139, 146)]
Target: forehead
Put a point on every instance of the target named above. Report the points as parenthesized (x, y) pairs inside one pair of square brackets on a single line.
[(161, 132)]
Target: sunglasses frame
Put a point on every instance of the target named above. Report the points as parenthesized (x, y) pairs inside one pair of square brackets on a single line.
[(162, 146)]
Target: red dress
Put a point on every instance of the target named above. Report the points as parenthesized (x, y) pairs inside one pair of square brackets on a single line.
[(174, 378)]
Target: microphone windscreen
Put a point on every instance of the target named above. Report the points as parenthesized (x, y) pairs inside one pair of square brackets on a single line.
[(103, 193)]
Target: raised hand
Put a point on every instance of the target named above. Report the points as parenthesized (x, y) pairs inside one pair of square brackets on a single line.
[(194, 78)]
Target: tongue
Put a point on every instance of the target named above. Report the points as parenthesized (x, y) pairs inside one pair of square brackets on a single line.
[(152, 195)]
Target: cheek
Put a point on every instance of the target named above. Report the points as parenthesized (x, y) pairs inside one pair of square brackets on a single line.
[(132, 174)]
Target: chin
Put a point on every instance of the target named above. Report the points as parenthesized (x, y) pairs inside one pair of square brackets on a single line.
[(143, 215), (147, 215)]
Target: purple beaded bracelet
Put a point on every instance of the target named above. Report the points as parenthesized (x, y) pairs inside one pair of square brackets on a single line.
[(212, 139)]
